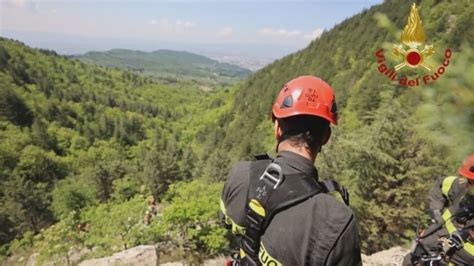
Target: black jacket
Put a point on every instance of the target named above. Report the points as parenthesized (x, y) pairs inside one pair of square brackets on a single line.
[(318, 231), (431, 238), (445, 191)]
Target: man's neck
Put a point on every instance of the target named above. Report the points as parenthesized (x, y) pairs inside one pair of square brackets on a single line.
[(285, 146)]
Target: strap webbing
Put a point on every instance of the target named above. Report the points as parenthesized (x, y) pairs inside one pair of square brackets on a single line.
[(270, 192), (332, 185)]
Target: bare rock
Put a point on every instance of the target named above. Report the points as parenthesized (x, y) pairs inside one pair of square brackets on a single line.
[(389, 257), (32, 259), (140, 255), (218, 261)]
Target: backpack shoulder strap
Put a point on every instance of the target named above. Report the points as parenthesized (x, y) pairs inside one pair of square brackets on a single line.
[(333, 186), (270, 192)]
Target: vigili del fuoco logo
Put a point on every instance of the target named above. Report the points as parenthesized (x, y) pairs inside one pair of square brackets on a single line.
[(412, 53)]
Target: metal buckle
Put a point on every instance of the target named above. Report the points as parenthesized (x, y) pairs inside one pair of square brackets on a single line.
[(275, 168)]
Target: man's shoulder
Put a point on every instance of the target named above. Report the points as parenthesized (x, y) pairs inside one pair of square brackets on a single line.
[(238, 175), (320, 211), (239, 168), (330, 208), (234, 195), (452, 179), (454, 186)]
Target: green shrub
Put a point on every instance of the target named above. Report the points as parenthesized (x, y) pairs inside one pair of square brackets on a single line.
[(71, 195), (191, 218)]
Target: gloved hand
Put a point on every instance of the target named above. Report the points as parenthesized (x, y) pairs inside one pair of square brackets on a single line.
[(456, 240)]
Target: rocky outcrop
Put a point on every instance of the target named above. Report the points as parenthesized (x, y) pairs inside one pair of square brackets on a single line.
[(219, 261), (148, 256), (389, 257), (140, 255)]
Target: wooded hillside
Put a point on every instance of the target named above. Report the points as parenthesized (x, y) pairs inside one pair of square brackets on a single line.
[(87, 145)]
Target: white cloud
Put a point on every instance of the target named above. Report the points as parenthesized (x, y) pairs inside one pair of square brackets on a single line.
[(166, 25), (185, 24), (269, 31), (314, 34), (226, 31), (295, 35)]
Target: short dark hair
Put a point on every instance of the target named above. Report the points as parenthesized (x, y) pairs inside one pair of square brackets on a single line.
[(303, 130)]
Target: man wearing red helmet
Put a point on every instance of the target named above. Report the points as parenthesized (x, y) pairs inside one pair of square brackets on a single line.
[(283, 213), (450, 242), (447, 189), (451, 237)]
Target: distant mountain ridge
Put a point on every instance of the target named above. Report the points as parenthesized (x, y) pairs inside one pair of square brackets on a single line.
[(167, 64)]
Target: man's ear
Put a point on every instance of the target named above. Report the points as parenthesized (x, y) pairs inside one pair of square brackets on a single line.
[(277, 130), (327, 135)]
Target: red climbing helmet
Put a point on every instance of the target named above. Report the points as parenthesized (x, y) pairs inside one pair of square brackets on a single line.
[(467, 167), (306, 95)]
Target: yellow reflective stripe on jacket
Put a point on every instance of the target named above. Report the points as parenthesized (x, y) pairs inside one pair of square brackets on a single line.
[(448, 223), (236, 228), (468, 246), (446, 185), (263, 256), (266, 259)]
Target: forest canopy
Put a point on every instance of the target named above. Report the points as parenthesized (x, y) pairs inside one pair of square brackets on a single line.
[(88, 145)]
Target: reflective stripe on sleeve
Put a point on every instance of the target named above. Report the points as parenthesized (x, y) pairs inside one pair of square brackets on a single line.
[(446, 186), (236, 228), (448, 223), (468, 246)]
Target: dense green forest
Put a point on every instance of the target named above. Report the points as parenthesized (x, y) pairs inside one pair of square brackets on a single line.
[(169, 66), (82, 143), (87, 145)]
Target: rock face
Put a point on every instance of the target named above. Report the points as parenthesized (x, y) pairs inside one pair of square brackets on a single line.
[(140, 255), (389, 257), (147, 256), (219, 261)]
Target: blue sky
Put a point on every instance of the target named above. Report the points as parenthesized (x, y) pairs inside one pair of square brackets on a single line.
[(266, 28)]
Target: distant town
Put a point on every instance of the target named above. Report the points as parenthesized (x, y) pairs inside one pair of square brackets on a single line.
[(247, 62)]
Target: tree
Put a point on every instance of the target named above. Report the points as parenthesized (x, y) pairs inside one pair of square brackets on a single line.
[(161, 166), (116, 226), (391, 166), (41, 137), (217, 165), (60, 238), (70, 195), (27, 199), (4, 57), (39, 166), (12, 107), (191, 218), (103, 163)]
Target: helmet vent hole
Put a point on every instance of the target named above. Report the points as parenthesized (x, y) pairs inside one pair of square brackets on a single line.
[(471, 169), (288, 102)]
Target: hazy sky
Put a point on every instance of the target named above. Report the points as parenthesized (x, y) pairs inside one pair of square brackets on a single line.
[(266, 28)]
